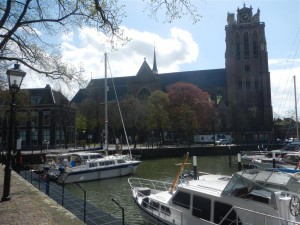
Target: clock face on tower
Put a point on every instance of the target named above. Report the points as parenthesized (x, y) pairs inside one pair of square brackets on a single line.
[(244, 17)]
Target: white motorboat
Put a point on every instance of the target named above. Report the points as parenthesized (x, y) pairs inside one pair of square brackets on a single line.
[(214, 199), (82, 169)]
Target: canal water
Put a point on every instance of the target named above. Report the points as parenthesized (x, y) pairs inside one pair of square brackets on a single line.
[(100, 193)]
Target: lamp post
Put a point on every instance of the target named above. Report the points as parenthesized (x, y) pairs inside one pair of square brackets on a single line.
[(15, 77)]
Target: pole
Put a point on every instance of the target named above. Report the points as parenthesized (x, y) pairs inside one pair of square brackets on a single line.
[(297, 131), (239, 161), (7, 173), (105, 99), (273, 157), (195, 167)]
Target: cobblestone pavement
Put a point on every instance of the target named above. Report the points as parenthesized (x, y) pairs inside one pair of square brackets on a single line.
[(29, 206)]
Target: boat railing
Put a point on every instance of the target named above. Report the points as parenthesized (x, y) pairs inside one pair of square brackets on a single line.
[(250, 213), (146, 183)]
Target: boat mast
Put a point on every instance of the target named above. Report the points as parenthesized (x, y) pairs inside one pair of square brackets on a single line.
[(105, 104), (297, 132)]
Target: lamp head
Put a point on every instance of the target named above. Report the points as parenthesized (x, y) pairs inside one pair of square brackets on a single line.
[(15, 77)]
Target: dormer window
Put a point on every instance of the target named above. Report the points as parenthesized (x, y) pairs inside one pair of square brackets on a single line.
[(35, 100)]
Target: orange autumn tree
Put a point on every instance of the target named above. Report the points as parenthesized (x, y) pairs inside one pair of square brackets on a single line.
[(190, 109)]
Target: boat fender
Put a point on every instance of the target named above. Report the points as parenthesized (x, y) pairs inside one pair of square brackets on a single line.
[(61, 168)]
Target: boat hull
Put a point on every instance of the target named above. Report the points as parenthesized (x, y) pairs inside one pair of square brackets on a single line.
[(98, 173)]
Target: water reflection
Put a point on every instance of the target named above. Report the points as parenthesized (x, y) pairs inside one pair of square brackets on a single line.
[(101, 193)]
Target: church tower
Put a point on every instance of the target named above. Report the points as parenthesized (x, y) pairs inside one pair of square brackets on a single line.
[(246, 59)]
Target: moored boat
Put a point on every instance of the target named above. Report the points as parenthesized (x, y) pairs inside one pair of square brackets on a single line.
[(98, 168), (215, 199)]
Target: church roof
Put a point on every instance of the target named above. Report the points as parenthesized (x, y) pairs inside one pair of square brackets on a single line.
[(204, 79)]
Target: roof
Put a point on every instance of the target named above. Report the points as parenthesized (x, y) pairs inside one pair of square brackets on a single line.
[(204, 79), (46, 95)]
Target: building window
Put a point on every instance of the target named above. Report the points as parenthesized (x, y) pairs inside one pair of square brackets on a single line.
[(248, 85), (46, 118), (255, 45), (246, 45), (34, 137), (46, 135), (256, 87), (240, 85), (59, 137), (237, 47), (22, 136), (35, 100), (34, 119), (247, 69)]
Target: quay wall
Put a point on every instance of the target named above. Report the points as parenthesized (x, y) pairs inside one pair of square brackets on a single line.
[(164, 152), (154, 153)]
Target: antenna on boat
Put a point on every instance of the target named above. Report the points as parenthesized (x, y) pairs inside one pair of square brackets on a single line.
[(185, 158)]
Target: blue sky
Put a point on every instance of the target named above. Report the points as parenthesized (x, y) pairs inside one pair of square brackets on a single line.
[(184, 46)]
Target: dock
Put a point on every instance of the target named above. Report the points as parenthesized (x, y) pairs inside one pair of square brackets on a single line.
[(33, 202)]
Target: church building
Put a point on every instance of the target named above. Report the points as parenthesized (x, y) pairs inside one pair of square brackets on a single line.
[(241, 90)]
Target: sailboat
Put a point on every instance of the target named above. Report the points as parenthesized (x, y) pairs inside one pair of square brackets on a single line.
[(82, 168)]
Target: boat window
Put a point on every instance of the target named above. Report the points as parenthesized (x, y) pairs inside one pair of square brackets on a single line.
[(102, 163), (120, 161), (165, 209), (145, 202), (201, 207), (107, 163), (182, 199), (93, 165), (112, 162), (220, 211), (154, 205), (85, 157)]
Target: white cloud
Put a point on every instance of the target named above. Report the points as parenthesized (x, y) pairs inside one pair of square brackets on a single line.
[(282, 86), (171, 52)]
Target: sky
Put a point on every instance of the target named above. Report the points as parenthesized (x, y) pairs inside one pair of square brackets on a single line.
[(184, 46)]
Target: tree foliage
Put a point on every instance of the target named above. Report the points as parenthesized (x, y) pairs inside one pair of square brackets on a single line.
[(158, 115), (30, 30), (190, 108), (26, 29)]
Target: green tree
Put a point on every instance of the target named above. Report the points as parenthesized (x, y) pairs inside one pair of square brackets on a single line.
[(158, 115), (134, 115)]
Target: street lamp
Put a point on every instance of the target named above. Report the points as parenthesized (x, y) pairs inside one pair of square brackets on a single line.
[(15, 77)]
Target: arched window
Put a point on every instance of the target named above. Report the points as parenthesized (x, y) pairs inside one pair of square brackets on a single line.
[(237, 47), (246, 45), (255, 45), (143, 94)]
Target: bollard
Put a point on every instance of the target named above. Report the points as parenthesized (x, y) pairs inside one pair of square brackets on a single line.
[(47, 183), (195, 167), (229, 155), (273, 156), (239, 157)]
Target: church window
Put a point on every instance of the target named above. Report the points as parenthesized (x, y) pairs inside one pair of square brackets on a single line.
[(237, 48), (247, 69), (144, 94), (240, 84), (255, 45), (256, 85), (246, 45), (248, 85)]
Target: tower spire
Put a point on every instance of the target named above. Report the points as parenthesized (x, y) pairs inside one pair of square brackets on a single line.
[(154, 64)]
